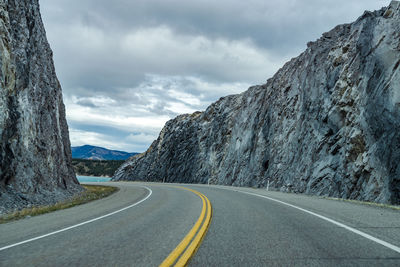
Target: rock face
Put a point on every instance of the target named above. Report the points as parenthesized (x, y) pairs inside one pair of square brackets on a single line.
[(35, 154), (327, 123)]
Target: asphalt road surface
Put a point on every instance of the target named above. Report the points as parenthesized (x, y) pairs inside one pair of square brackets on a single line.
[(249, 227)]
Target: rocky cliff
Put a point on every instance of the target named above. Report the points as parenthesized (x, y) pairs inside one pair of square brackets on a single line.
[(35, 155), (327, 123)]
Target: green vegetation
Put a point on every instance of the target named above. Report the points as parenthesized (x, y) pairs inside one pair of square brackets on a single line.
[(92, 192), (90, 167)]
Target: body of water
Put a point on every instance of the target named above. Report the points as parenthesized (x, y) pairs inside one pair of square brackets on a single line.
[(85, 179)]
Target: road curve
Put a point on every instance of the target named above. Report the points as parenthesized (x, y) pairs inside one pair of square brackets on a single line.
[(246, 230), (249, 230), (142, 235)]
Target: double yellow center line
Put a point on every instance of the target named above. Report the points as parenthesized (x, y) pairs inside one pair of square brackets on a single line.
[(188, 246)]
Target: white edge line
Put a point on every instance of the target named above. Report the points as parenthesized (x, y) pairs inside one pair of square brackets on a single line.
[(80, 224), (351, 229)]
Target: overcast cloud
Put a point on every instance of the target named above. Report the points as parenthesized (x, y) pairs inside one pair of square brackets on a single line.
[(126, 67)]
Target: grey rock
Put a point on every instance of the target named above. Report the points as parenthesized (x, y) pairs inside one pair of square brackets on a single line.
[(327, 123), (35, 153)]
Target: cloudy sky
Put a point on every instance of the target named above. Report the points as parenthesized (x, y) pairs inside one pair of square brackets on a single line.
[(128, 66)]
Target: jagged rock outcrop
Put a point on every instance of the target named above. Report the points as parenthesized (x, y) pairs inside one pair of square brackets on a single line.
[(35, 154), (327, 123)]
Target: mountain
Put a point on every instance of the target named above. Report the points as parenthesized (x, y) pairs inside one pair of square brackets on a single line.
[(35, 154), (89, 167), (327, 123), (99, 153)]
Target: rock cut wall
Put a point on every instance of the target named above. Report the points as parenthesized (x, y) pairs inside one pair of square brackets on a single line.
[(327, 123), (35, 153)]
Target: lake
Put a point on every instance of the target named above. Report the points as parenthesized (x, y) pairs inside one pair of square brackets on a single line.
[(85, 179)]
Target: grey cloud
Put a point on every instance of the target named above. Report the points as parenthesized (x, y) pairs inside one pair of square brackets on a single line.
[(275, 24), (86, 103), (156, 57), (280, 28), (157, 96)]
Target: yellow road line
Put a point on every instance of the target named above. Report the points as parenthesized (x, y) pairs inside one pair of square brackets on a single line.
[(185, 242), (197, 240), (191, 236)]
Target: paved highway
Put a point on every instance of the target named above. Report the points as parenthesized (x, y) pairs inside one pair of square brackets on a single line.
[(142, 235), (248, 230), (249, 227)]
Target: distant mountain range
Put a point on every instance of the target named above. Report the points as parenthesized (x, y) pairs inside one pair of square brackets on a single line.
[(99, 153)]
